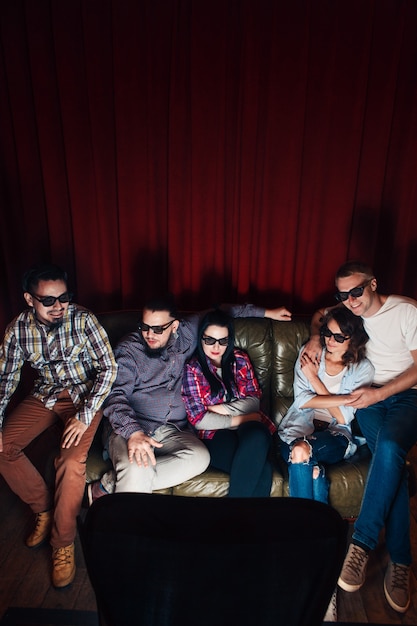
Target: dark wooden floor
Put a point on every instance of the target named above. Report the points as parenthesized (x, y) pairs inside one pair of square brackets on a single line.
[(25, 574)]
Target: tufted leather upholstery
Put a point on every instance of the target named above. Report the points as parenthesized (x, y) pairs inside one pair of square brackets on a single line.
[(273, 348)]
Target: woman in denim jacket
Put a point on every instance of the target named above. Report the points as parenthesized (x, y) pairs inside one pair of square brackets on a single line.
[(317, 427)]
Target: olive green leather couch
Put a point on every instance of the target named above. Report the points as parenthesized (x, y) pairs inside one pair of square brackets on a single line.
[(273, 348)]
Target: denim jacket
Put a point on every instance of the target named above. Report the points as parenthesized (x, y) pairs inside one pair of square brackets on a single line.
[(298, 422)]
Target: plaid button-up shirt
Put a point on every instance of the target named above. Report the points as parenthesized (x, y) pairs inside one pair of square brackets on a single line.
[(76, 357), (197, 395)]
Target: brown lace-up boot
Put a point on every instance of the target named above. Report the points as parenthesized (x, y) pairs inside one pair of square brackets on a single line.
[(63, 566), (42, 529)]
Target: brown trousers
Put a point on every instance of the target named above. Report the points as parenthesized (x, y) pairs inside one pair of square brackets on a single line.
[(23, 425)]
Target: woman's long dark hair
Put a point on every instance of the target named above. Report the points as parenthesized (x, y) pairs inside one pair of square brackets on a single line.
[(218, 318), (351, 326)]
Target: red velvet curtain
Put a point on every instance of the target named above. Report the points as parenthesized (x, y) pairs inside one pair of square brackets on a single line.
[(226, 150)]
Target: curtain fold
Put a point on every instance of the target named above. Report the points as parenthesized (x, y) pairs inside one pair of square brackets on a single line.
[(225, 150)]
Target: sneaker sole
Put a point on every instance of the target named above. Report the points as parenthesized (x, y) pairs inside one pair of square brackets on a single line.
[(393, 605), (347, 587)]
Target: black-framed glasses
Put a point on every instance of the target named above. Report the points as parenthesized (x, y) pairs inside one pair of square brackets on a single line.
[(326, 332), (211, 341), (48, 301), (158, 330), (355, 292)]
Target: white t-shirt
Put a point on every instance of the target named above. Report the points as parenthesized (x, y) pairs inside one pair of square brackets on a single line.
[(392, 334), (332, 384)]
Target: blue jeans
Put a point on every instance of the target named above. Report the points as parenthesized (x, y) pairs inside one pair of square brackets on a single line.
[(325, 448), (390, 429)]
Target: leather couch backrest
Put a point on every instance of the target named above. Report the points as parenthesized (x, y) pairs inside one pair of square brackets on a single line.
[(253, 335), (272, 346), (117, 324), (287, 339)]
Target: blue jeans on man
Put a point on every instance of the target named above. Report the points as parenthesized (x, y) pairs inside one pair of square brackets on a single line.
[(390, 429)]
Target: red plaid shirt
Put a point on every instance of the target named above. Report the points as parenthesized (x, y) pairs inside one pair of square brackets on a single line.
[(197, 394)]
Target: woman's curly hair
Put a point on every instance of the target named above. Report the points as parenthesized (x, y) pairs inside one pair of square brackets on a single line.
[(351, 326)]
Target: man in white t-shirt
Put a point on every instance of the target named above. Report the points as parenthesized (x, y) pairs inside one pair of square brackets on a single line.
[(387, 416)]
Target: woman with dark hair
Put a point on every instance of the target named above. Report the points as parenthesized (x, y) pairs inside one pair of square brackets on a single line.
[(317, 427), (222, 399)]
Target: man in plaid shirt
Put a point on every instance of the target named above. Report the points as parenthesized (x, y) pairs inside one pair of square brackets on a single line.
[(71, 354)]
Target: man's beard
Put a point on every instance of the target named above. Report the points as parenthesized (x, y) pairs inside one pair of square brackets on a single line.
[(54, 325), (153, 353)]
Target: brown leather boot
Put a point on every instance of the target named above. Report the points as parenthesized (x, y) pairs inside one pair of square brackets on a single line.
[(42, 529), (63, 566)]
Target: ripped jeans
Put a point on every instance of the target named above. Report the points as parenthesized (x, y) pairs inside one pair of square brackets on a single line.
[(325, 447)]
